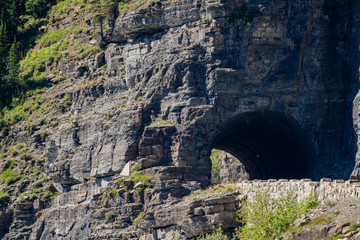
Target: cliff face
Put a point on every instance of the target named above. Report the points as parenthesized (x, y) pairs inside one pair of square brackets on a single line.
[(271, 82), (204, 75)]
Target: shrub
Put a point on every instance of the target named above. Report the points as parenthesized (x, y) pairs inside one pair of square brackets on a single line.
[(215, 166), (264, 217), (354, 227), (215, 235), (336, 212), (110, 192), (137, 176)]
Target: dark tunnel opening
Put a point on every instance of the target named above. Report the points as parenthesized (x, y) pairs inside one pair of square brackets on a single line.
[(269, 144)]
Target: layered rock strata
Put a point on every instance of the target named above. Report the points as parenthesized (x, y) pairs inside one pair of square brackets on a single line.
[(271, 82)]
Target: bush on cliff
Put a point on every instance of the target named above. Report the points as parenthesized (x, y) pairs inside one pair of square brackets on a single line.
[(264, 217)]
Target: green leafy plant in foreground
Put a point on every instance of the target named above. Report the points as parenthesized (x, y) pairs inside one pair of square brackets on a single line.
[(217, 234), (264, 217)]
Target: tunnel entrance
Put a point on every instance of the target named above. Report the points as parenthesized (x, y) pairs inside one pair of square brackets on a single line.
[(269, 144)]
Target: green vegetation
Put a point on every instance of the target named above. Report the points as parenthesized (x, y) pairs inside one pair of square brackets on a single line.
[(137, 176), (22, 169), (110, 192), (319, 220), (19, 20), (338, 236), (354, 227), (336, 212), (215, 166), (24, 21), (54, 46), (264, 217), (137, 220), (8, 177), (161, 122), (217, 234), (126, 5), (153, 2), (41, 193), (20, 111), (109, 116), (10, 164), (244, 13), (225, 188)]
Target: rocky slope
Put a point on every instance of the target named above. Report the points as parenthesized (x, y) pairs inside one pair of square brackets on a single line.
[(158, 86)]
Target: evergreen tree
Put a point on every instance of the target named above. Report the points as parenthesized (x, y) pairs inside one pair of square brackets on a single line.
[(13, 66), (3, 48), (10, 84), (14, 15)]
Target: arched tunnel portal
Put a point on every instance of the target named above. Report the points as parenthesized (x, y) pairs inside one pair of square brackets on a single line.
[(269, 144)]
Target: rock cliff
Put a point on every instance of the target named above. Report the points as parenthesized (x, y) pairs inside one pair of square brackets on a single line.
[(270, 81)]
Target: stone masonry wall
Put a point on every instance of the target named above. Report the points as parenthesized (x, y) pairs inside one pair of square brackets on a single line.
[(327, 189)]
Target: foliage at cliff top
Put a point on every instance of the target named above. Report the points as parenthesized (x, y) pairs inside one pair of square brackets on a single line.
[(35, 36)]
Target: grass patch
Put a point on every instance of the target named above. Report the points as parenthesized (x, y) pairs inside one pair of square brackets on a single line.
[(128, 5), (337, 237), (137, 176), (20, 110), (137, 220), (161, 122), (354, 227), (319, 220), (217, 234), (336, 212), (8, 177), (54, 46), (225, 188)]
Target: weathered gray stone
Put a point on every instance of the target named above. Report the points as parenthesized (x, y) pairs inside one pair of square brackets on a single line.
[(276, 92)]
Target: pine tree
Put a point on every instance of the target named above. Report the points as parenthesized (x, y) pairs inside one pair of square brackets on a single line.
[(10, 83), (3, 48), (13, 65), (3, 66)]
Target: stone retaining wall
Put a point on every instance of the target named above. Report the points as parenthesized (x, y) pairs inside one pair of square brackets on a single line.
[(327, 189)]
